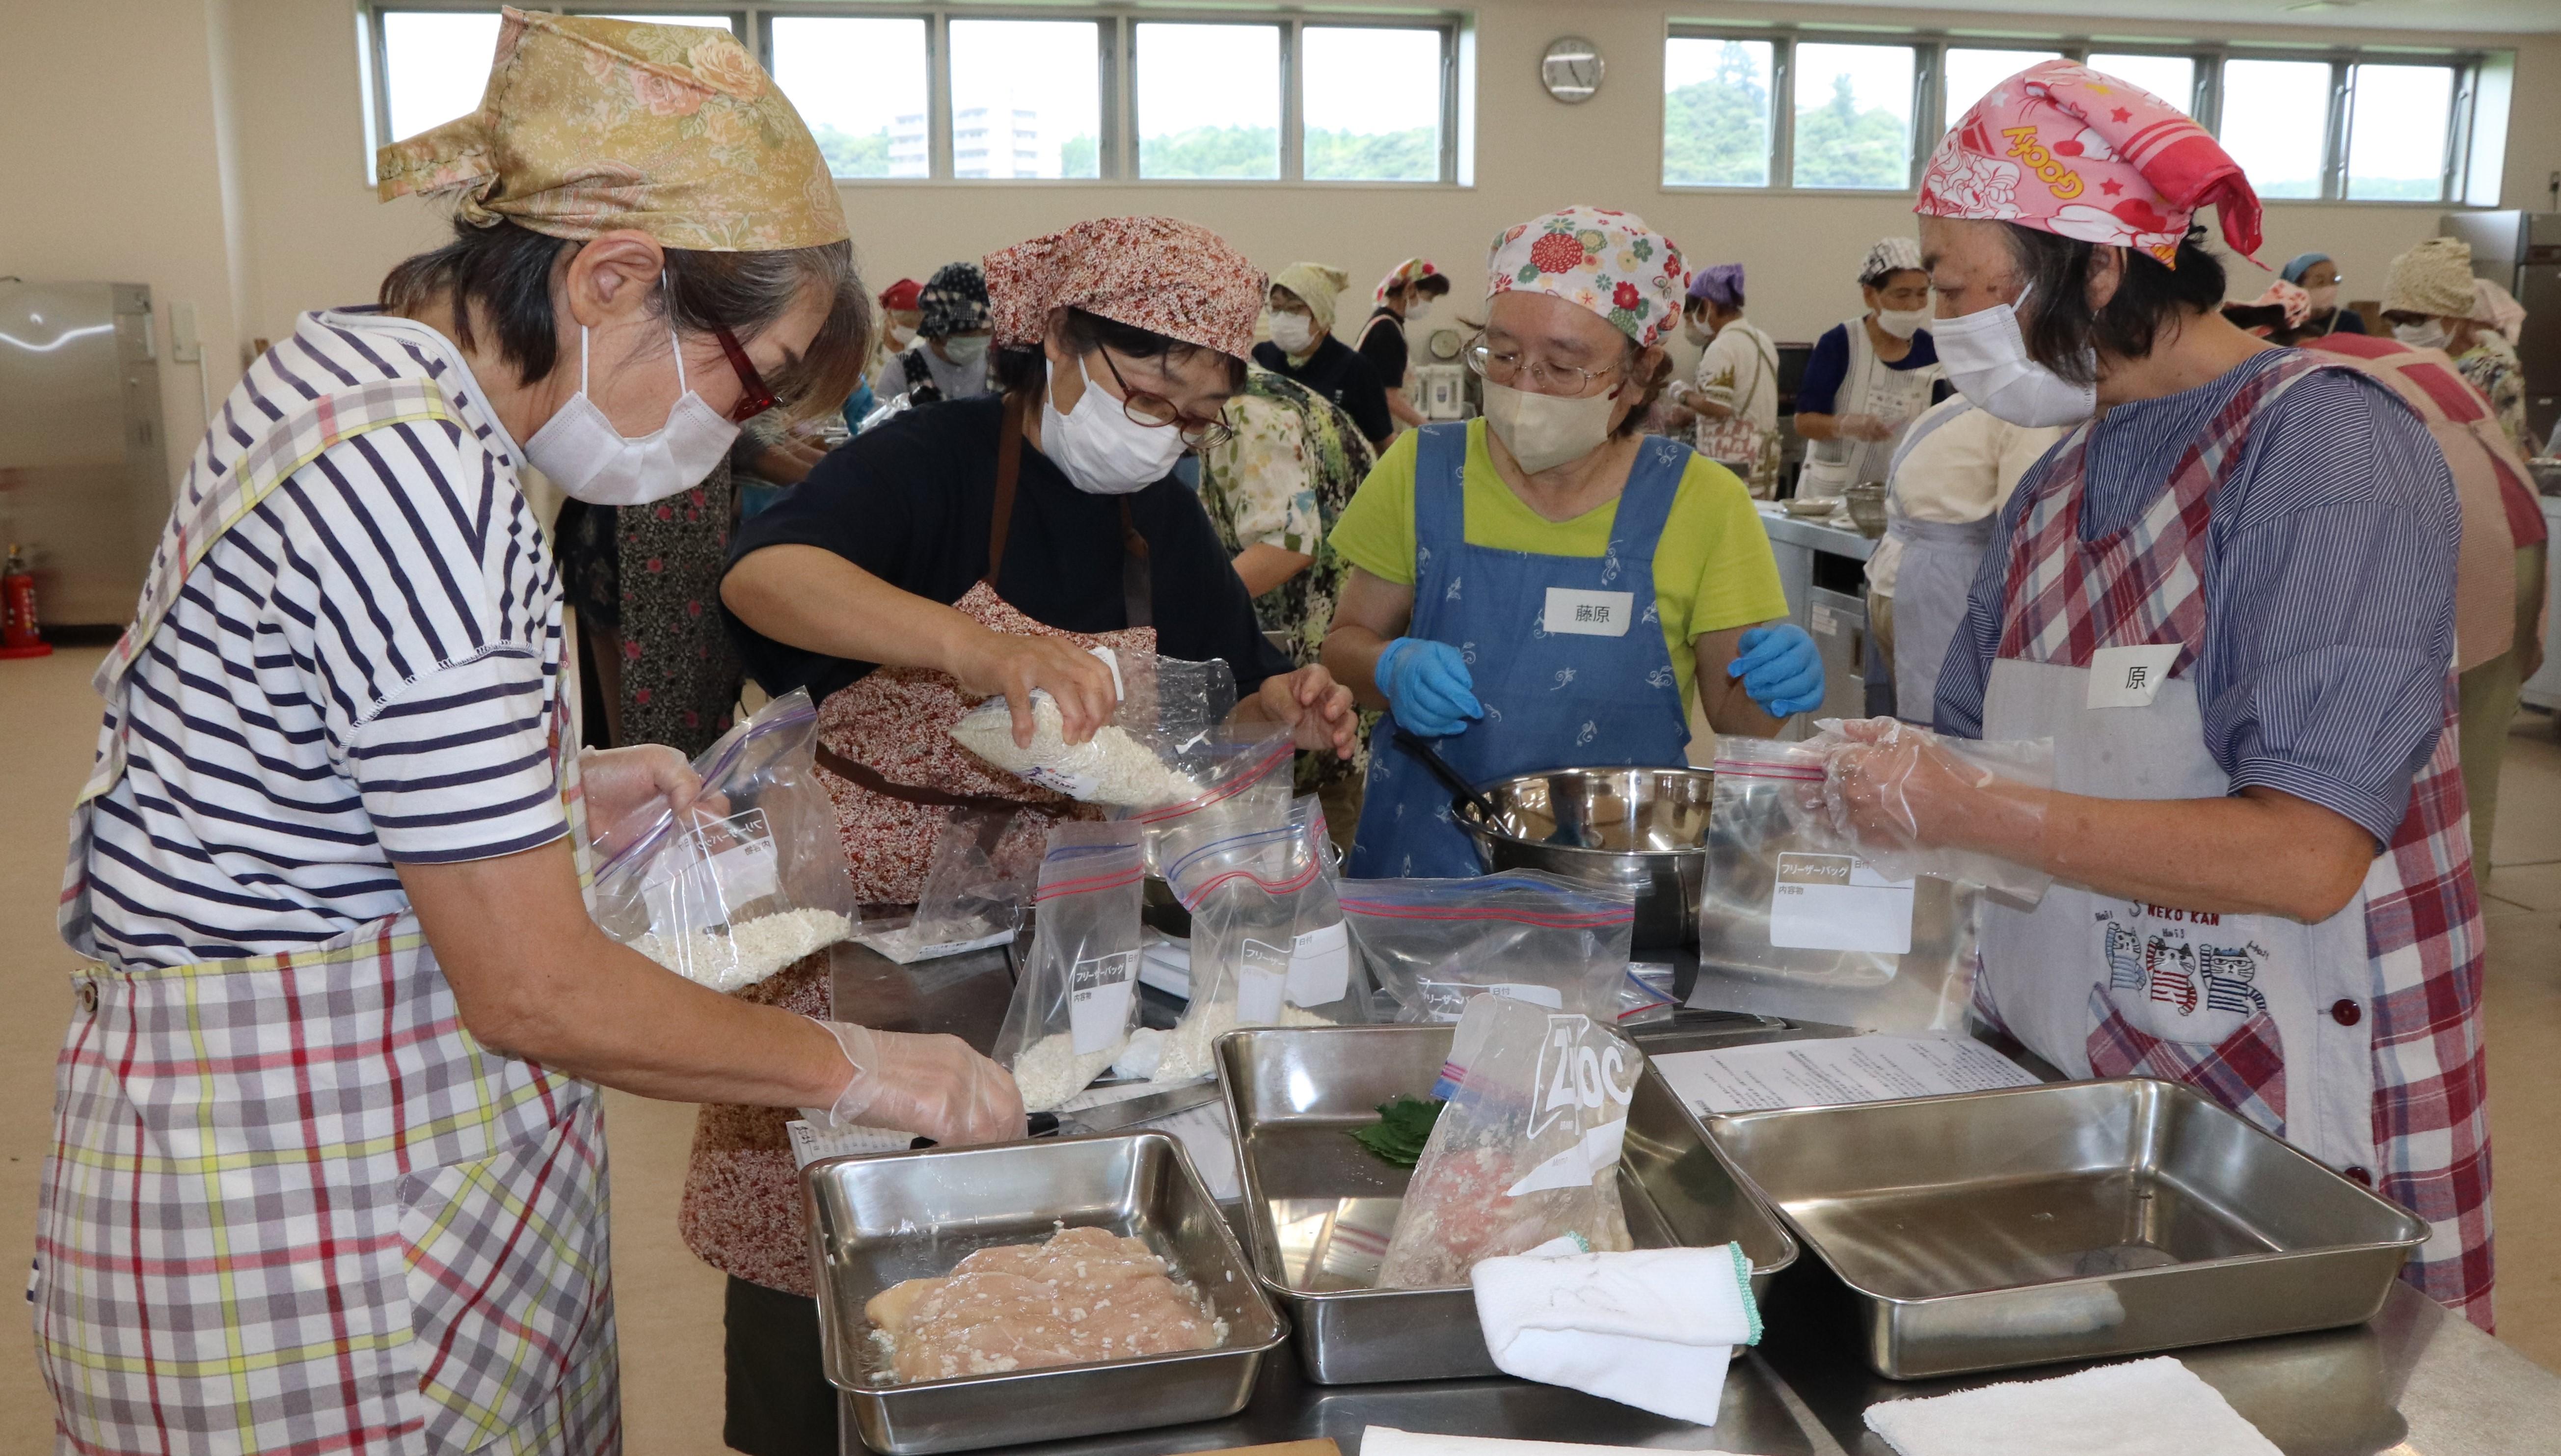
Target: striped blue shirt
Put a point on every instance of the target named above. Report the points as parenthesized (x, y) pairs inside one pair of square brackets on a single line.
[(2330, 585), (357, 674)]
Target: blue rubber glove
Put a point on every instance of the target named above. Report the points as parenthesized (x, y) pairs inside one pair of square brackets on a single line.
[(1428, 686), (1780, 669)]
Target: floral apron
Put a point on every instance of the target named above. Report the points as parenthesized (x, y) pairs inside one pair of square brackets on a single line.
[(293, 1206), (2358, 1040)]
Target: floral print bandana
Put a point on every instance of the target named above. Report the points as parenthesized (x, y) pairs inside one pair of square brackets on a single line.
[(953, 302), (1609, 262), (1408, 272), (1161, 274), (589, 125), (2064, 149)]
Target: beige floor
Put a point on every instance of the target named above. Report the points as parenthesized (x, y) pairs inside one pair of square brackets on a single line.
[(670, 1304)]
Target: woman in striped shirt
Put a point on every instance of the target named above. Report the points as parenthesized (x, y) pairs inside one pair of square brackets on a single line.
[(328, 1169)]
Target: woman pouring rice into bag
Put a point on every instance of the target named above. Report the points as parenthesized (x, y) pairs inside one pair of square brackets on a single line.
[(2229, 599), (329, 1167)]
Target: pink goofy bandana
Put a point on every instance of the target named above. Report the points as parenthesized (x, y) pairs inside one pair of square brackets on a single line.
[(2065, 150)]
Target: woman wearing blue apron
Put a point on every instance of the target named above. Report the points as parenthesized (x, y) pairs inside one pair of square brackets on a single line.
[(1541, 588)]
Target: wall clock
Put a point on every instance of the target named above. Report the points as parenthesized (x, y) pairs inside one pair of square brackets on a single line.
[(1571, 69)]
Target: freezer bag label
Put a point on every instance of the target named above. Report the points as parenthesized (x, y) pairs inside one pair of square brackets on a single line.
[(1320, 966), (2129, 677), (1097, 1000), (1578, 614), (1447, 1000), (1261, 977), (1837, 903), (702, 879)]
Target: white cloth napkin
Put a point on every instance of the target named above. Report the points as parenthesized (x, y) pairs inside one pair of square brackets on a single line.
[(1380, 1441), (2149, 1407), (1652, 1329)]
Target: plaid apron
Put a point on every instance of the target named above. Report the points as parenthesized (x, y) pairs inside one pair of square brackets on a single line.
[(2359, 1039), (291, 1205)]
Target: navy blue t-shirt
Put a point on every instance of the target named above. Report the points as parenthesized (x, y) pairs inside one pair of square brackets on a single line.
[(1829, 365)]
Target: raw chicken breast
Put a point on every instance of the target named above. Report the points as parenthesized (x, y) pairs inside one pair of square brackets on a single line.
[(1085, 1295)]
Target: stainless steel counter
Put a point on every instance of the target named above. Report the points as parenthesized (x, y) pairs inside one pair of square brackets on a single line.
[(1817, 535), (2415, 1382)]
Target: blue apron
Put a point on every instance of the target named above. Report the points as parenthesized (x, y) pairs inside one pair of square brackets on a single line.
[(1553, 700)]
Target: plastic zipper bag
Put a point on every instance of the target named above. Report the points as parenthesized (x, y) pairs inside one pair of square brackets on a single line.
[(984, 867), (1526, 1152), (749, 879), (1242, 778), (1434, 944), (1895, 763), (1793, 921), (1135, 761), (1078, 1000), (1268, 943)]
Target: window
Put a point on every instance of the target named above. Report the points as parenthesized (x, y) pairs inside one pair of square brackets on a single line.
[(2396, 131), (1716, 112), (1209, 100), (1966, 75), (1372, 100), (2170, 77), (861, 86), (1026, 99), (1853, 123), (435, 65), (2276, 123)]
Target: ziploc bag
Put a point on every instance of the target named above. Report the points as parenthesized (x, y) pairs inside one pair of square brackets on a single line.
[(1527, 1151), (1132, 762), (1793, 922), (1078, 1000), (1268, 943), (748, 881), (1893, 756), (1242, 774), (984, 867), (1433, 944)]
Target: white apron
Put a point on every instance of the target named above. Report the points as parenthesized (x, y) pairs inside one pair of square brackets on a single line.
[(1871, 386), (1935, 564)]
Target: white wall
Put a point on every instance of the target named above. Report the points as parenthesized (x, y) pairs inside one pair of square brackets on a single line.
[(123, 112)]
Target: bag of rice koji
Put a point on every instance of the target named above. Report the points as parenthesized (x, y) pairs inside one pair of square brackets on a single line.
[(1527, 1151), (1134, 761), (1078, 1000)]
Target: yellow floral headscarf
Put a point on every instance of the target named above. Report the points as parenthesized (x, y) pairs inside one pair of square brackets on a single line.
[(590, 125)]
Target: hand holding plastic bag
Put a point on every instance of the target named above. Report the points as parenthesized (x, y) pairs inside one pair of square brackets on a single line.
[(1916, 803), (934, 1086)]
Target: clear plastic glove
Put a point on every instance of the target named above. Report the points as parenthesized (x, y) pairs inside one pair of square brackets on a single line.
[(627, 789), (933, 1086), (1915, 803), (1865, 426), (1428, 686), (1780, 668)]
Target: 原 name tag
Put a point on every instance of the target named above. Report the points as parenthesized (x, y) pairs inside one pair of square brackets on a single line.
[(1588, 613), (2129, 677)]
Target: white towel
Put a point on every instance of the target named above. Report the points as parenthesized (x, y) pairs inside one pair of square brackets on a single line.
[(1380, 1441), (1652, 1329), (2150, 1408)]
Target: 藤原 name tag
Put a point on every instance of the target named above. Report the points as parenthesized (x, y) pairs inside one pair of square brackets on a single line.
[(2129, 677), (1588, 613), (1836, 902)]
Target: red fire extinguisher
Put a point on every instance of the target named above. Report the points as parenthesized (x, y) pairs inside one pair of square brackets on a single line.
[(18, 637)]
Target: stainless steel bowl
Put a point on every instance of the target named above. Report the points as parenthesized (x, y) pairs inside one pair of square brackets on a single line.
[(1637, 829), (1866, 502)]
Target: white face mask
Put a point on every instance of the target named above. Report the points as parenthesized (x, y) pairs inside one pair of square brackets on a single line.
[(2324, 298), (2429, 334), (966, 349), (1295, 333), (1696, 332), (592, 461), (1985, 358), (1902, 323), (1418, 310), (1102, 450), (1544, 431), (900, 336)]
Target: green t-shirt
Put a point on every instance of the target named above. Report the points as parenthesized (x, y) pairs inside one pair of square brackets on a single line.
[(1712, 568)]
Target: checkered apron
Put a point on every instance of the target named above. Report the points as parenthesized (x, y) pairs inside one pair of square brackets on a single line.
[(2358, 1040), (291, 1205)]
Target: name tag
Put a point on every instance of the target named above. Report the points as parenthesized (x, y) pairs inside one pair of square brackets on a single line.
[(2129, 677), (1588, 613)]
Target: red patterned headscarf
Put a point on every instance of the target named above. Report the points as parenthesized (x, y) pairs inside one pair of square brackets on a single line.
[(2065, 150), (1162, 274)]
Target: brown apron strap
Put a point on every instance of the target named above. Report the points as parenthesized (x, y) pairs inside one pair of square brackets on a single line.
[(1137, 581), (1009, 468), (864, 776)]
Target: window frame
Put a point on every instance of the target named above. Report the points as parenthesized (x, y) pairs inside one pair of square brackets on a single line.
[(1115, 76), (2205, 103)]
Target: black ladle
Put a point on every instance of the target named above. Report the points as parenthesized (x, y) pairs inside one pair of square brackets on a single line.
[(1421, 747)]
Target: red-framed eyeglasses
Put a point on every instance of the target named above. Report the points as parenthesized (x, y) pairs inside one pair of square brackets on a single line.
[(755, 397)]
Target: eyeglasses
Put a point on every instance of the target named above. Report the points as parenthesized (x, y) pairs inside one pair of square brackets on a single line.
[(754, 395), (1511, 368), (1156, 413)]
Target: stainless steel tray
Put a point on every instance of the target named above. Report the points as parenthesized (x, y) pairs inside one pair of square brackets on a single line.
[(880, 1219), (1993, 1230), (1318, 1206)]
